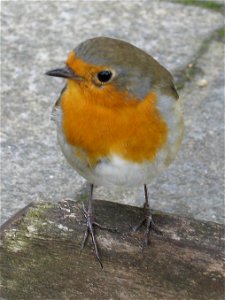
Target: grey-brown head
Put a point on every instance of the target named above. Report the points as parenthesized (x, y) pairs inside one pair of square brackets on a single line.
[(128, 67)]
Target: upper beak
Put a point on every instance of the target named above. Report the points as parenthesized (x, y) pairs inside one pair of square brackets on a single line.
[(65, 72)]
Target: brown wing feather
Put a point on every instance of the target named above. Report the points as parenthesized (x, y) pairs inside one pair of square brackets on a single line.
[(57, 104)]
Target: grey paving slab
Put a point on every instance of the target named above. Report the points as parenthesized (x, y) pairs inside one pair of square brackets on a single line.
[(38, 35)]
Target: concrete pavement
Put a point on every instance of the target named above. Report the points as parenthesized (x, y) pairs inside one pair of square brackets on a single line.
[(37, 36)]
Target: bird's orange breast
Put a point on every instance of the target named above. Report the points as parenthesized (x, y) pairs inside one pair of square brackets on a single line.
[(135, 130)]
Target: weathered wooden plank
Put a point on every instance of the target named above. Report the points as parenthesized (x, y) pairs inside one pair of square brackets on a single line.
[(41, 256)]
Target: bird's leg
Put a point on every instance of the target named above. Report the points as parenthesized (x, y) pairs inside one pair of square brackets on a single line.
[(89, 216), (147, 219)]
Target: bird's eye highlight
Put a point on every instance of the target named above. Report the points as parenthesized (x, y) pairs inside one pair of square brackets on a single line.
[(104, 76)]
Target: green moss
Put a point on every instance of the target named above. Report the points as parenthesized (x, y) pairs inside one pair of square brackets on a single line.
[(204, 4), (16, 239), (222, 32), (38, 212), (220, 35)]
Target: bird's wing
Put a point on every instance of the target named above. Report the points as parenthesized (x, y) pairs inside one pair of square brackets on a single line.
[(56, 105)]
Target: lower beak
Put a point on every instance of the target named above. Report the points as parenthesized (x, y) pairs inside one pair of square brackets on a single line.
[(65, 72)]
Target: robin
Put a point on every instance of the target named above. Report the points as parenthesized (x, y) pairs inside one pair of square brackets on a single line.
[(119, 119)]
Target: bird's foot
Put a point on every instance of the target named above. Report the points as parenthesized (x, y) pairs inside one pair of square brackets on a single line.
[(149, 223), (90, 231)]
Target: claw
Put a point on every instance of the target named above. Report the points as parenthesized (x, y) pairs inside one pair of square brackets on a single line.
[(150, 225), (84, 240), (148, 220), (95, 245), (90, 231)]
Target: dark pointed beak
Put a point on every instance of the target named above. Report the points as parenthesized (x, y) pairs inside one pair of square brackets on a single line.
[(65, 72)]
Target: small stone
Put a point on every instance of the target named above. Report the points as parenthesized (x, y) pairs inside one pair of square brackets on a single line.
[(65, 228), (202, 82), (31, 228), (72, 216)]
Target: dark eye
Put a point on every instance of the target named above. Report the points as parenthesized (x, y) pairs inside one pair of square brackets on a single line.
[(104, 76)]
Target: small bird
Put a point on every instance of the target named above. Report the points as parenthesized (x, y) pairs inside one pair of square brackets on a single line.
[(119, 120)]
